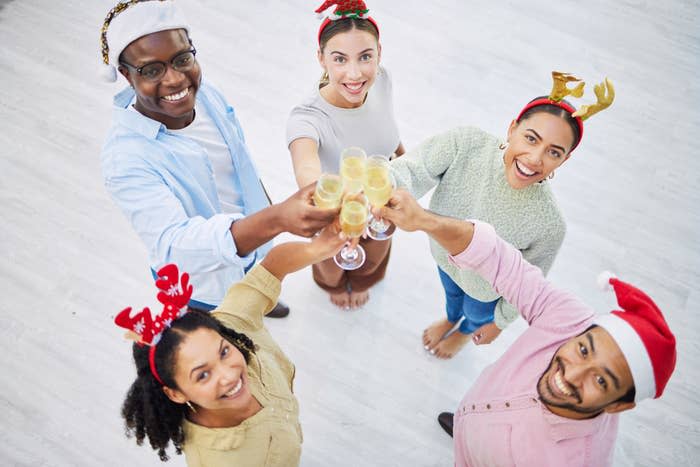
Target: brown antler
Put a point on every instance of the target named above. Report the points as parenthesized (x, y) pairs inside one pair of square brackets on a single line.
[(559, 88), (605, 99)]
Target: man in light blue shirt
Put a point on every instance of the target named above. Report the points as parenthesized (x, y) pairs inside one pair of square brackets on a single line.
[(176, 162)]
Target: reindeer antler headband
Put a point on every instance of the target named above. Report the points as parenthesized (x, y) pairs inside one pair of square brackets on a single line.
[(344, 9), (605, 94), (175, 293)]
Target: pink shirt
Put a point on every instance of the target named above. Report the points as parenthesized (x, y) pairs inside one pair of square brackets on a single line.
[(500, 421)]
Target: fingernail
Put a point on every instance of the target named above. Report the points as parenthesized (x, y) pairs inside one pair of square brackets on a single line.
[(432, 351), (426, 347)]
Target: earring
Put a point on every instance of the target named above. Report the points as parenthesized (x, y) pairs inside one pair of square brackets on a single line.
[(191, 406), (551, 176), (503, 146)]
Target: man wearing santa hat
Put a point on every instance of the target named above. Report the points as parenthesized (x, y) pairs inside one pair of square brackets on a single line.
[(554, 397)]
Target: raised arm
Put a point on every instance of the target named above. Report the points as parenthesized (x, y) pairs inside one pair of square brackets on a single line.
[(296, 215), (305, 159), (420, 169), (476, 246), (251, 298)]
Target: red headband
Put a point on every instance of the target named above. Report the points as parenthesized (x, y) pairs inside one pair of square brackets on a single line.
[(328, 21), (174, 297), (560, 104)]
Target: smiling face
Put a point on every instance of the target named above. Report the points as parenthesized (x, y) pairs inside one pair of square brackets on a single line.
[(587, 375), (537, 146), (211, 373), (171, 99), (351, 60)]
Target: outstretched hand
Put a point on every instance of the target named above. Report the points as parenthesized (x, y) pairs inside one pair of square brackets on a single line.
[(299, 216), (328, 242), (403, 210)]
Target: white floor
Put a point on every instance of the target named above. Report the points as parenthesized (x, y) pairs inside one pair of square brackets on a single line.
[(369, 394)]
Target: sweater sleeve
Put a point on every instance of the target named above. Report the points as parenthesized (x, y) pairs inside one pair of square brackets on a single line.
[(247, 301), (421, 169)]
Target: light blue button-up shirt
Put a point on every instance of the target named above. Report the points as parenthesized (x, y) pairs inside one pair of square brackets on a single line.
[(164, 184)]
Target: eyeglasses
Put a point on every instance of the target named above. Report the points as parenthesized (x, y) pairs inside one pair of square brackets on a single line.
[(155, 71)]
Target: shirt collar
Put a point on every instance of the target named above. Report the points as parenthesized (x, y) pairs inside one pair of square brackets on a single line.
[(135, 121)]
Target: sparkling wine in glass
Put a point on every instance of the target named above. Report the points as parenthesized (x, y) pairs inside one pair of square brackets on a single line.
[(352, 169), (378, 187), (329, 191), (353, 221)]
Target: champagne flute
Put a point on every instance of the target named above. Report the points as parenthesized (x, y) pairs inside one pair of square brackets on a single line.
[(379, 184), (329, 191), (353, 221), (352, 169)]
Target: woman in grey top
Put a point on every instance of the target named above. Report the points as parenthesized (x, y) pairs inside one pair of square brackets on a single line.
[(351, 106), (477, 176)]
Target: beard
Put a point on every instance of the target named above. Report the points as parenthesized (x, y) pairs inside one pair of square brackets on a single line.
[(546, 396)]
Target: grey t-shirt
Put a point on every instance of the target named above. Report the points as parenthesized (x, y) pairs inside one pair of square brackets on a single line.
[(371, 126)]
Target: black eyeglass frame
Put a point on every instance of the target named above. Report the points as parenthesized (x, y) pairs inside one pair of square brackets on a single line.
[(139, 69)]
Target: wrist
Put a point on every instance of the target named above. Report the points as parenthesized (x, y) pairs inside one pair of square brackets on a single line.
[(277, 222)]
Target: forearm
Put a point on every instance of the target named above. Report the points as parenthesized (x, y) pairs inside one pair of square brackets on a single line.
[(306, 161), (289, 257), (453, 234), (307, 173), (255, 230)]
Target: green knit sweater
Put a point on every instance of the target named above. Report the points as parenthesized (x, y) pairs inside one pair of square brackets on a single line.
[(465, 166)]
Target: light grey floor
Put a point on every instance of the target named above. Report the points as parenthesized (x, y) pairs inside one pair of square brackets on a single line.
[(368, 392)]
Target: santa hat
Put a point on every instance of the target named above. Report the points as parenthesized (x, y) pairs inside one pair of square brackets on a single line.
[(344, 9), (642, 334), (131, 20)]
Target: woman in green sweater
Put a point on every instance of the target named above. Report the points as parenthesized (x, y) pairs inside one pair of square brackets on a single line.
[(477, 175)]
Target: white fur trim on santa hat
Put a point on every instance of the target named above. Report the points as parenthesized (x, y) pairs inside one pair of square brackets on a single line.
[(603, 280), (635, 353), (139, 20)]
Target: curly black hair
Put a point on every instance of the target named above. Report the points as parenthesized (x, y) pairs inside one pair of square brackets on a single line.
[(147, 411), (558, 112)]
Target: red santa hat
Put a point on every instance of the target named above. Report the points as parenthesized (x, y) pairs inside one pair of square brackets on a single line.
[(642, 334), (343, 9)]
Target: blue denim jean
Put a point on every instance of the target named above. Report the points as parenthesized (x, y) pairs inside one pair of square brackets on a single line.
[(459, 305)]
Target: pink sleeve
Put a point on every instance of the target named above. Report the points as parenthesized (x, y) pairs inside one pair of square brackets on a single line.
[(518, 281)]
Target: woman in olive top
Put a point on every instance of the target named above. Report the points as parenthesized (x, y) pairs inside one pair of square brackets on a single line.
[(216, 384)]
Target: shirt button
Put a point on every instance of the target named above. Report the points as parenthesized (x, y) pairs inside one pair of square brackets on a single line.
[(473, 407), (488, 406), (507, 404)]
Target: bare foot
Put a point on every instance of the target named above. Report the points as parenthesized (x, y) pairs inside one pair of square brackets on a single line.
[(449, 346), (435, 332), (341, 300), (358, 299)]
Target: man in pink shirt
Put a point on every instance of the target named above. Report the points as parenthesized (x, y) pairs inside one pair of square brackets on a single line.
[(554, 397)]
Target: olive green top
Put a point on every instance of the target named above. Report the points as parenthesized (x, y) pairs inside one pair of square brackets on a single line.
[(272, 437), (465, 166)]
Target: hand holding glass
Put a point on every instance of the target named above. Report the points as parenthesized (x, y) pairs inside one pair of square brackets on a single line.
[(352, 169), (329, 191), (353, 220), (379, 185)]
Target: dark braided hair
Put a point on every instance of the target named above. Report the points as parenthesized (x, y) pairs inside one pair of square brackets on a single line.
[(557, 112), (147, 411), (113, 13)]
